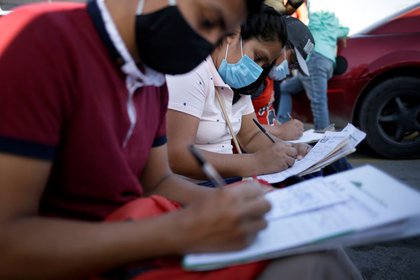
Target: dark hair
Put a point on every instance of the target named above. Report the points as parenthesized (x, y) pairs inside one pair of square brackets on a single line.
[(267, 25), (254, 6)]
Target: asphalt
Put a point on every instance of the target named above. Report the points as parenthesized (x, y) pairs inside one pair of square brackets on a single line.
[(389, 260)]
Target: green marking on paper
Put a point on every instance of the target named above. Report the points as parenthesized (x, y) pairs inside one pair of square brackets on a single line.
[(357, 184)]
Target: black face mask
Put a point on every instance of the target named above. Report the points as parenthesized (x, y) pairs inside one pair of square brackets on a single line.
[(168, 44), (253, 87)]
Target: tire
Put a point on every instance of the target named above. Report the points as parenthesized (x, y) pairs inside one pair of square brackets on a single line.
[(390, 116)]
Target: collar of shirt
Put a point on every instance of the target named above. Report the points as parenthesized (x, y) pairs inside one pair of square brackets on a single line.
[(218, 81), (114, 43)]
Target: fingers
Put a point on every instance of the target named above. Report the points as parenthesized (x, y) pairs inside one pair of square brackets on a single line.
[(255, 209), (290, 161), (291, 152), (246, 189), (298, 123), (288, 153), (250, 230)]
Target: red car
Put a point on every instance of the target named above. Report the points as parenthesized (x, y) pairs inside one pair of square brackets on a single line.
[(377, 85)]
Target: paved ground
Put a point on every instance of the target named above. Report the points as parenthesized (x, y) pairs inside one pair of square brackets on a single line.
[(390, 260)]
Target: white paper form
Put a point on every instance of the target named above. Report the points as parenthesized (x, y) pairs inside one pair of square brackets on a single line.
[(376, 198), (355, 136), (322, 149), (378, 206), (280, 234), (303, 197), (308, 136)]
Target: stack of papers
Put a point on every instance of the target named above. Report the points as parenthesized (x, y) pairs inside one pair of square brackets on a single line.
[(309, 136), (331, 147), (350, 208)]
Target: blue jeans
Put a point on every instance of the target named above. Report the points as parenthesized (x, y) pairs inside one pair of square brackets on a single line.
[(321, 70)]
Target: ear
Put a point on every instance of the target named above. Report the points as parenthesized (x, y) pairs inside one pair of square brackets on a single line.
[(232, 38)]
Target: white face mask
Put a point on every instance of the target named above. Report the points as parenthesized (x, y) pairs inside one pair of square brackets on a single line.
[(280, 72)]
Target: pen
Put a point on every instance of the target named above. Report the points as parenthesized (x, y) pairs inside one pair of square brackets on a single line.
[(207, 168), (263, 130), (290, 116)]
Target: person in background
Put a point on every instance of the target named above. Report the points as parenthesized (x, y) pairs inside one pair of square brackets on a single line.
[(196, 114), (301, 13), (326, 29), (83, 104), (293, 57), (284, 7)]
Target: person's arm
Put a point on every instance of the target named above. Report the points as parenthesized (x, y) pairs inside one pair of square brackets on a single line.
[(159, 179), (35, 247), (302, 13), (292, 6), (271, 157), (290, 130), (342, 32), (182, 131), (258, 144)]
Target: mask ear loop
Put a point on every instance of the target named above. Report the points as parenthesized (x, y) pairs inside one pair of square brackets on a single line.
[(285, 53), (242, 51), (227, 49), (140, 7)]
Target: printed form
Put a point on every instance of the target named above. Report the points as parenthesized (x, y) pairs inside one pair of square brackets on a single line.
[(317, 212), (333, 146)]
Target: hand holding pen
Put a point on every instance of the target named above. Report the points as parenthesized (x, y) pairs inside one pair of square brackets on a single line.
[(263, 130), (214, 176), (281, 154), (302, 149)]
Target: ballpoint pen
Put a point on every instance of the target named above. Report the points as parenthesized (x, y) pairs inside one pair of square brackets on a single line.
[(263, 130), (207, 168)]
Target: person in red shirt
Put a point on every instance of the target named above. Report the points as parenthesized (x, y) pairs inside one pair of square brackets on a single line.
[(83, 102), (293, 57)]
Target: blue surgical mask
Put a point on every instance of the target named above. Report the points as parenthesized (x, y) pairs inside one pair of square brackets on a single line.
[(239, 74), (280, 71)]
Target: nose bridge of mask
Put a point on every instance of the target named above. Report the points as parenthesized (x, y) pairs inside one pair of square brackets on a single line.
[(140, 6)]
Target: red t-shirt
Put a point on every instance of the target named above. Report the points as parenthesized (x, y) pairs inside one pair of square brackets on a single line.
[(263, 104), (63, 98)]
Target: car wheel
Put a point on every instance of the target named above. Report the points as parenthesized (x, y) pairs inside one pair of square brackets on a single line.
[(390, 116)]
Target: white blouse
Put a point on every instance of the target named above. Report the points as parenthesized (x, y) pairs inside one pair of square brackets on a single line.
[(194, 94)]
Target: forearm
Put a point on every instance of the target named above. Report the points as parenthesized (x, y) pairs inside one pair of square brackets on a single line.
[(258, 142), (289, 9), (292, 6), (180, 190), (44, 248), (275, 130), (228, 165)]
